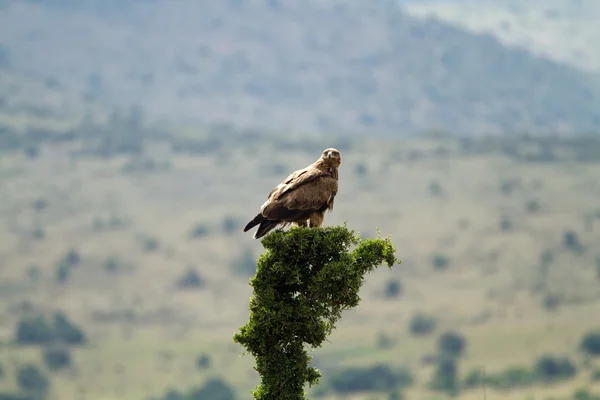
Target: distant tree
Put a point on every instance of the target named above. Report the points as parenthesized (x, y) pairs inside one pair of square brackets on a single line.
[(150, 244), (191, 280), (550, 368), (571, 242), (375, 378), (384, 341), (585, 394), (230, 225), (440, 261), (445, 378), (199, 231), (421, 324), (34, 329), (56, 358), (214, 389), (393, 289), (590, 343), (39, 204), (66, 331), (31, 379), (551, 301), (533, 206), (65, 265), (203, 361), (451, 344), (173, 394), (360, 169), (510, 378), (111, 264), (475, 378), (396, 394)]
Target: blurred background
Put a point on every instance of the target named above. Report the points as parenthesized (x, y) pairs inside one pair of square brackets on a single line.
[(137, 137)]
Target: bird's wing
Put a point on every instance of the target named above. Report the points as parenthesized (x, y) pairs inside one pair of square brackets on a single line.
[(309, 189)]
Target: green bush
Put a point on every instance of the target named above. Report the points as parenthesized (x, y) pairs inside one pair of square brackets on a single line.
[(440, 261), (474, 379), (203, 361), (37, 330), (174, 395), (551, 301), (17, 396), (66, 331), (451, 345), (65, 265), (550, 368), (376, 378), (34, 329), (199, 231), (213, 389), (533, 206), (31, 379), (191, 280), (572, 242), (584, 394), (512, 377), (150, 244), (445, 377), (360, 169), (393, 289), (56, 358), (421, 324), (111, 264), (590, 343)]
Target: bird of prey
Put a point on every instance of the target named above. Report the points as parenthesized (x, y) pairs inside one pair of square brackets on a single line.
[(302, 198)]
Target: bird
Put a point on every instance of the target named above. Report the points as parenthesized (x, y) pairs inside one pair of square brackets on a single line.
[(302, 198)]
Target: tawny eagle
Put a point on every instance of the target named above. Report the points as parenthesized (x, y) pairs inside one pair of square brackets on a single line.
[(302, 198)]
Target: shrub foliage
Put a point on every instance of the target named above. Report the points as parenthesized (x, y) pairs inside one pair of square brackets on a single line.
[(303, 282)]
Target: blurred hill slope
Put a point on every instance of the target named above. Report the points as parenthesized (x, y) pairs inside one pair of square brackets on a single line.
[(564, 30), (300, 66)]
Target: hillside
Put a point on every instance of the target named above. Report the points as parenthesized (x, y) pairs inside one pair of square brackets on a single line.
[(563, 30), (302, 66)]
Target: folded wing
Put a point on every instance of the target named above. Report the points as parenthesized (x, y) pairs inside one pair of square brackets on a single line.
[(302, 193)]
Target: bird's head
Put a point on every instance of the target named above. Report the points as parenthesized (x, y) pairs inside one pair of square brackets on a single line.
[(331, 156)]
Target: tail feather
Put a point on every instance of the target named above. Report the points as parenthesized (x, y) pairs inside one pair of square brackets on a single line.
[(265, 227), (257, 220)]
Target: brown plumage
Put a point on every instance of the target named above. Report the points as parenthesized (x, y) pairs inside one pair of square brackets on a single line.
[(302, 198)]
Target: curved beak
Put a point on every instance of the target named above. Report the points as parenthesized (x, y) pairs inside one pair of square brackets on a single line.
[(329, 154)]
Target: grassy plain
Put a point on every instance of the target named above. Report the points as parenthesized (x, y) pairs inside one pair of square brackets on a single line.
[(467, 200)]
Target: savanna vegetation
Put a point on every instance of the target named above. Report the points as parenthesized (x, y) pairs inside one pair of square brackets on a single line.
[(125, 272)]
